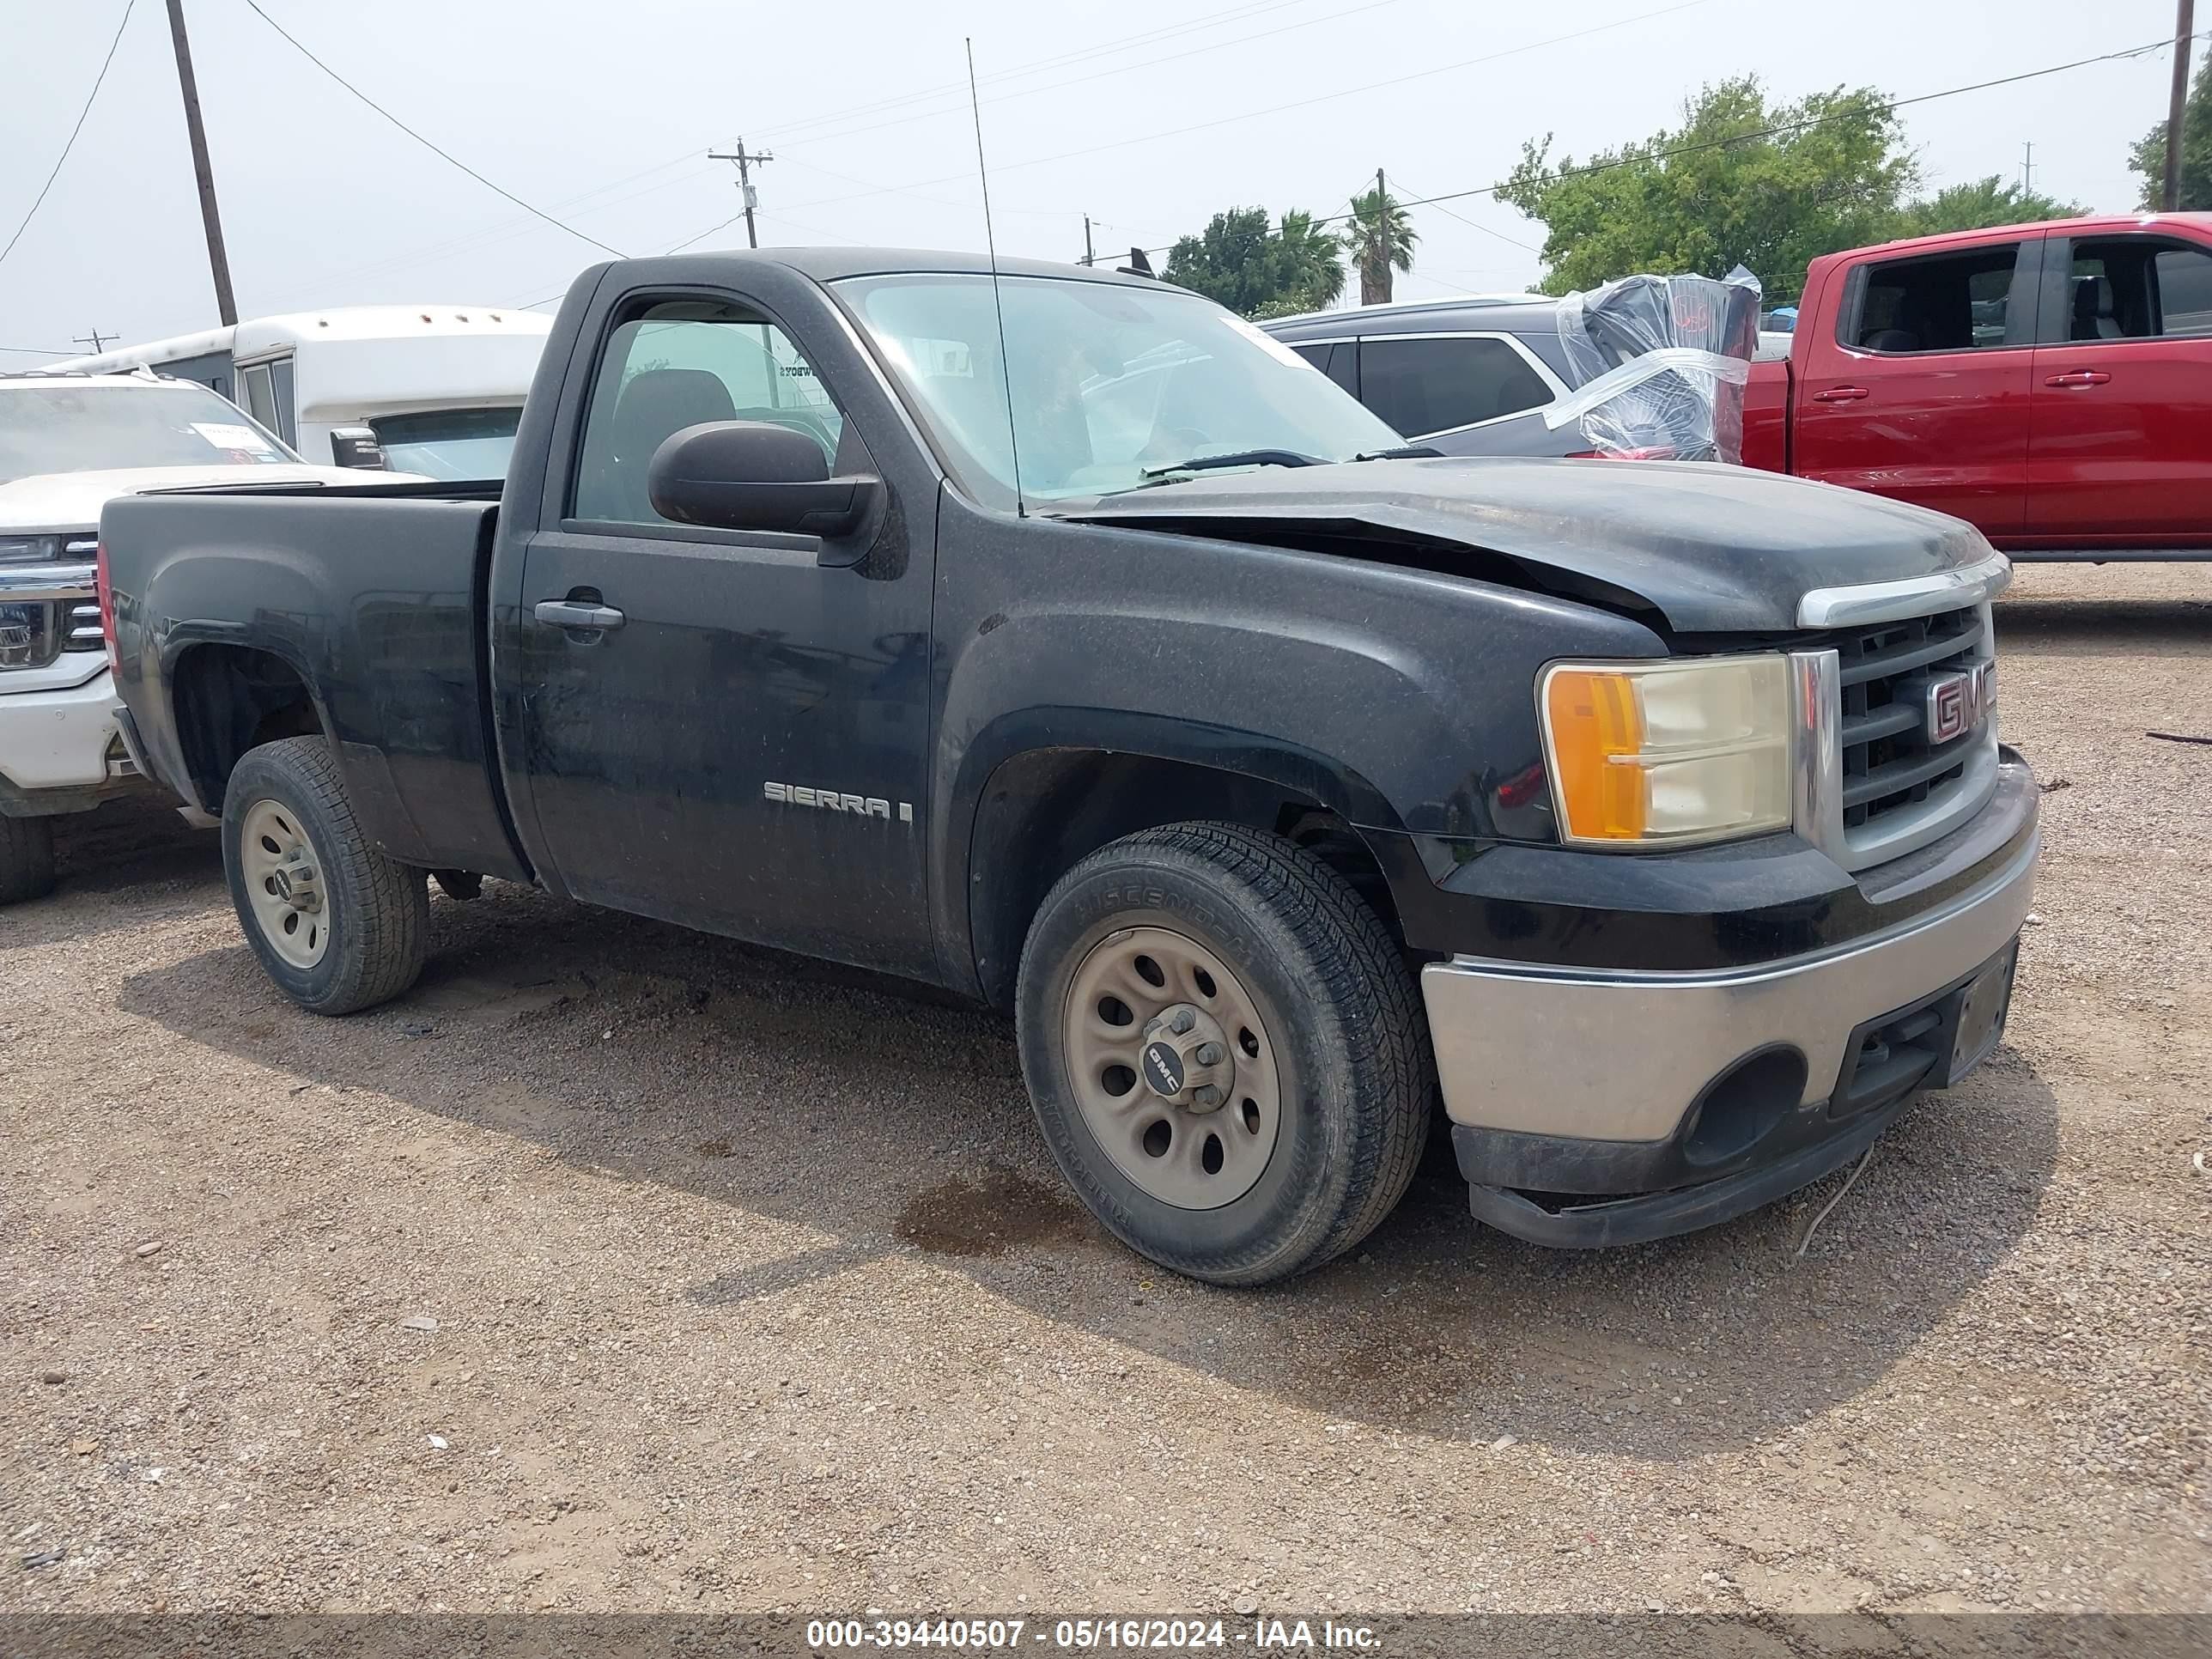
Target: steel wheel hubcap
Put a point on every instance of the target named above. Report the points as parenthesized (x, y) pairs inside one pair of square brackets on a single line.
[(1173, 1067), (284, 881)]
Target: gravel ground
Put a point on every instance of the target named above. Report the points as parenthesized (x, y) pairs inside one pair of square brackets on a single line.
[(616, 1267)]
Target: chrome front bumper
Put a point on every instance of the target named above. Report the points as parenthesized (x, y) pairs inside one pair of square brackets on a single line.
[(1624, 1055)]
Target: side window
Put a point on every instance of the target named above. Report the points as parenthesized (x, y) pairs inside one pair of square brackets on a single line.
[(287, 425), (1420, 386), (2133, 287), (2184, 291), (1952, 302), (256, 390), (678, 363), (1338, 359)]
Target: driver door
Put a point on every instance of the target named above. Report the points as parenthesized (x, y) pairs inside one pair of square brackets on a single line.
[(742, 746)]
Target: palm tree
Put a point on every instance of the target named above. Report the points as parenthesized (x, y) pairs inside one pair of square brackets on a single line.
[(1380, 240), (1312, 266)]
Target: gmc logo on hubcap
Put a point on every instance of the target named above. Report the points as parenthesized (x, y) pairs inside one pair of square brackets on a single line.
[(1957, 702)]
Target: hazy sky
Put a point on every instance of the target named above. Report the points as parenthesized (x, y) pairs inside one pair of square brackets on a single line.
[(1148, 116)]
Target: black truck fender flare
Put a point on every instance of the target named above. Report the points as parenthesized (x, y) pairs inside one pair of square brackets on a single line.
[(1039, 787)]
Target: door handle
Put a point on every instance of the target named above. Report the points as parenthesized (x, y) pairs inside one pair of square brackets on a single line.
[(2078, 377), (564, 613), (1840, 394)]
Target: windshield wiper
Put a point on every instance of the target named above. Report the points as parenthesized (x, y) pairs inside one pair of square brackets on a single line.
[(1237, 458), (1402, 453)]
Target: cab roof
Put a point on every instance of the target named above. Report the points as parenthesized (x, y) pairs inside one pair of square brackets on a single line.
[(830, 264)]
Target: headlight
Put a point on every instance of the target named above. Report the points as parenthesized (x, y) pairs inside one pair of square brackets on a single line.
[(1668, 752), (37, 549)]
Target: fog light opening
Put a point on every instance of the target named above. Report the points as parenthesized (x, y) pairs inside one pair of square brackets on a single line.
[(1739, 1107)]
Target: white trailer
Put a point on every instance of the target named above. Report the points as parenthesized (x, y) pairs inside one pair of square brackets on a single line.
[(434, 389)]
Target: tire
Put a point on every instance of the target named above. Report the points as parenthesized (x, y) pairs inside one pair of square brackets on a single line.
[(1233, 1194), (27, 858), (370, 918)]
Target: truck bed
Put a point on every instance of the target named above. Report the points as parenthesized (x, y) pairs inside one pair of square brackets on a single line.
[(376, 596)]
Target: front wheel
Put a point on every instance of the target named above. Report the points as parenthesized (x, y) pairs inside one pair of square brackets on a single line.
[(337, 925), (1225, 1050)]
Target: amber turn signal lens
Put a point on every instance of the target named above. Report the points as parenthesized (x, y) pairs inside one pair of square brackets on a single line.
[(1597, 732)]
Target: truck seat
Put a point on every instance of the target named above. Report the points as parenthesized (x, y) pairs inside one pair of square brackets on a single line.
[(653, 407), (2096, 314)]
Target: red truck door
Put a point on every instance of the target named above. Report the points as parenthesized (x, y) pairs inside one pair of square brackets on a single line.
[(1920, 382), (2121, 454)]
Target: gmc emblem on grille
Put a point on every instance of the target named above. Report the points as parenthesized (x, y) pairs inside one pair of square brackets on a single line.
[(1958, 701)]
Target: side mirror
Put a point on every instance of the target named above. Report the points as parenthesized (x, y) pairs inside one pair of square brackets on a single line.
[(355, 446), (753, 475)]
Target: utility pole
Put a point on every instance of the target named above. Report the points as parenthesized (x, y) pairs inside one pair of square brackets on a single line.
[(2184, 26), (2027, 167), (746, 161), (96, 340), (1381, 237), (218, 261), (1087, 255)]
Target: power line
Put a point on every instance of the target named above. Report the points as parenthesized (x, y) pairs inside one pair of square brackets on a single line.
[(97, 81), (1300, 103), (1122, 68), (1885, 106), (1471, 225), (1037, 66), (1643, 157), (1639, 159), (446, 156), (36, 351), (935, 201), (1121, 44), (499, 231)]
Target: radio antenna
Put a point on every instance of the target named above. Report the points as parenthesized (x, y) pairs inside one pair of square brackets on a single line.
[(997, 307)]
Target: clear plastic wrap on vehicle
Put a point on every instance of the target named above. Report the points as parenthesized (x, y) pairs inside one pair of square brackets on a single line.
[(1659, 366)]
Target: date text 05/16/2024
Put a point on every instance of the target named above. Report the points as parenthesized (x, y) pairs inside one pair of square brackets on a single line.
[(985, 1635)]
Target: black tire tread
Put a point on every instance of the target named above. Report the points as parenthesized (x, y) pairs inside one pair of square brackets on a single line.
[(27, 858), (1362, 979), (386, 904)]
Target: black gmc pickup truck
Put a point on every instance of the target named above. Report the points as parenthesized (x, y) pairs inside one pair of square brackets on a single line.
[(1063, 641)]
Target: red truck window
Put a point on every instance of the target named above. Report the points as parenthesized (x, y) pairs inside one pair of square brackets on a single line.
[(1952, 302), (2131, 288)]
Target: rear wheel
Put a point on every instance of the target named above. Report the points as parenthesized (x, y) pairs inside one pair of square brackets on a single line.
[(337, 925), (27, 858), (1225, 1050)]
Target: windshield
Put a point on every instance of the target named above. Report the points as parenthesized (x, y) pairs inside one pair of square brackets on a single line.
[(449, 443), (62, 428), (1113, 382)]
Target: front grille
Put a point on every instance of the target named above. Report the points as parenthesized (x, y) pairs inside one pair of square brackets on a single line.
[(80, 626), (1896, 787), (1889, 762)]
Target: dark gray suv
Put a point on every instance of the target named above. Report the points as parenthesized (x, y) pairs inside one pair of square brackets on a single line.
[(1468, 377)]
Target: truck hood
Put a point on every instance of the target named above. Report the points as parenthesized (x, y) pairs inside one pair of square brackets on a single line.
[(52, 502), (1710, 548)]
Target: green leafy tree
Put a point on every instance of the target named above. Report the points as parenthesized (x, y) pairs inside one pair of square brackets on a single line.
[(1741, 181), (1978, 204), (1380, 237), (2148, 158), (1311, 261), (1239, 262)]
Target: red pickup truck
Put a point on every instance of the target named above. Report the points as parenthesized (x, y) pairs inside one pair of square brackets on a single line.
[(2051, 383)]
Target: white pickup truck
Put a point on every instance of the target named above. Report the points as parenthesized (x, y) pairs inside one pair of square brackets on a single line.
[(69, 443)]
